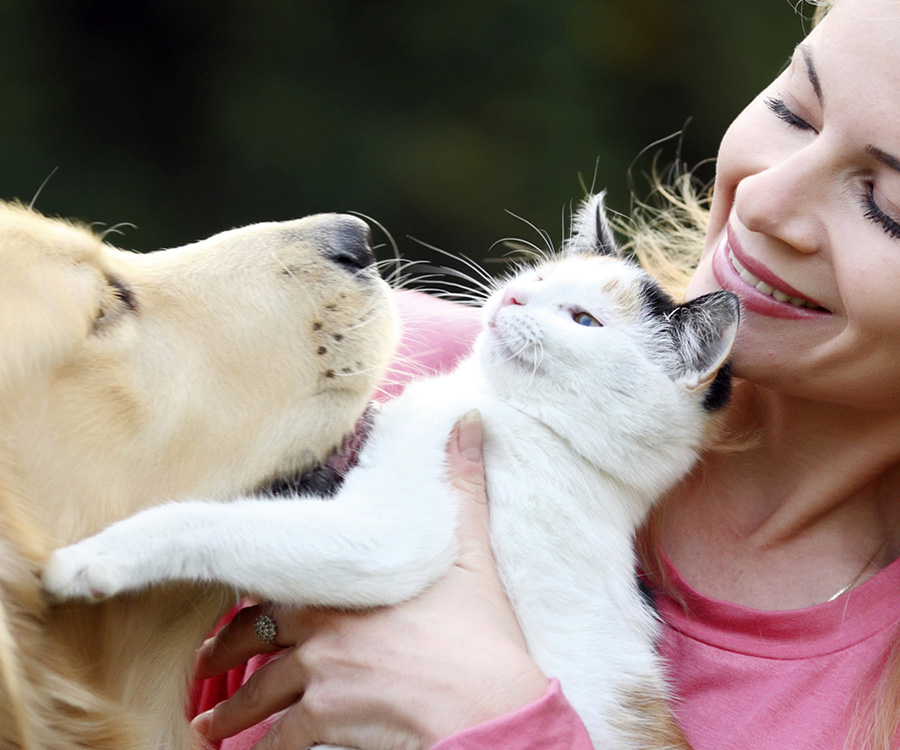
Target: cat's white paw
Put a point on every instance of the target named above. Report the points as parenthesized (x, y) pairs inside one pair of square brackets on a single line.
[(77, 573)]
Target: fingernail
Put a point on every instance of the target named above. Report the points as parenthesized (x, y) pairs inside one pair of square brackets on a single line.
[(470, 435), (473, 415)]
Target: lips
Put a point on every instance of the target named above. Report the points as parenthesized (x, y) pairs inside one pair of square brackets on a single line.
[(760, 290)]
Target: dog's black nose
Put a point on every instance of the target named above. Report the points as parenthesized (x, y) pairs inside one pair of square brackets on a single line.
[(350, 244)]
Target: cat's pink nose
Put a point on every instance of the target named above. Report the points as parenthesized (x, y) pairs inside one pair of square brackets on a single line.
[(511, 297)]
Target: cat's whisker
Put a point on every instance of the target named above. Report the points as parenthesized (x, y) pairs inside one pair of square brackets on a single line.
[(564, 225), (453, 290), (464, 291), (465, 260), (400, 274), (522, 247), (542, 233), (476, 281)]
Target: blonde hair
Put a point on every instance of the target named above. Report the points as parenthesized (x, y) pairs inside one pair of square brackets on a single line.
[(666, 231), (667, 234)]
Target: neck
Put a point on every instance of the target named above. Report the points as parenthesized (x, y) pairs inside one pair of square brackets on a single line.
[(808, 461), (791, 518)]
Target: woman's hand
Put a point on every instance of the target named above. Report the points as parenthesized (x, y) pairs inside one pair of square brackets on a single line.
[(398, 677)]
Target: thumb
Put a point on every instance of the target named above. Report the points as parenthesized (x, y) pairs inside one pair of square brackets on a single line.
[(466, 473)]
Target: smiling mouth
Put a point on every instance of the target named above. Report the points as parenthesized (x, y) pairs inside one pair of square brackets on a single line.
[(769, 290)]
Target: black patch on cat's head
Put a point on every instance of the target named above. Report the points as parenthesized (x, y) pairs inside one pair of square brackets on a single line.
[(718, 393), (658, 303), (704, 330), (591, 233), (605, 243)]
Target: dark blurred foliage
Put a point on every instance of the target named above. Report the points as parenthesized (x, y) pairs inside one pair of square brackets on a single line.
[(186, 117)]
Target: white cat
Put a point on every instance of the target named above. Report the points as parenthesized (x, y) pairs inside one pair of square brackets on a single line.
[(595, 391)]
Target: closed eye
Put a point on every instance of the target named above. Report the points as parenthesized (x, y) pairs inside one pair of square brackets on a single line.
[(586, 319), (874, 213), (122, 293), (781, 111), (117, 300)]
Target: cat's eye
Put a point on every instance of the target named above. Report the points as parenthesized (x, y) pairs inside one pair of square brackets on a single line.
[(585, 319)]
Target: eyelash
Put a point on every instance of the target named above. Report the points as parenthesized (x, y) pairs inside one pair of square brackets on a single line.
[(874, 213), (122, 293), (871, 210), (779, 108)]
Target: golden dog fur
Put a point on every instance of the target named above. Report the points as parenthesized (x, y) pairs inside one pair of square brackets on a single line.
[(128, 380)]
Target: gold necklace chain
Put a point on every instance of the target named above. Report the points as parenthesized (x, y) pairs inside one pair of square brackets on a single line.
[(869, 563)]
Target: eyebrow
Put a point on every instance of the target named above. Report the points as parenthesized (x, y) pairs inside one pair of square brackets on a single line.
[(811, 70), (885, 158)]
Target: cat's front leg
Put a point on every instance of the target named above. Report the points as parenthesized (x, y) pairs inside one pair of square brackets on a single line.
[(179, 541), (390, 532), (151, 547), (296, 552), (302, 551)]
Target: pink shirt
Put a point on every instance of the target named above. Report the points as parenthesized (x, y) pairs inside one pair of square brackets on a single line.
[(749, 679), (744, 679)]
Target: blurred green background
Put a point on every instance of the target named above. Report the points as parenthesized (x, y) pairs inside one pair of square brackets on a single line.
[(186, 117)]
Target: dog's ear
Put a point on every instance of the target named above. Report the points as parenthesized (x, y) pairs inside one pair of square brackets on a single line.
[(38, 343), (46, 305)]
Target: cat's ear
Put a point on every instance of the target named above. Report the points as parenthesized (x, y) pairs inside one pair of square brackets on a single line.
[(591, 233), (704, 330)]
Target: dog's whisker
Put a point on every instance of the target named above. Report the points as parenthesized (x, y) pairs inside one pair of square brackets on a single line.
[(114, 229), (41, 188)]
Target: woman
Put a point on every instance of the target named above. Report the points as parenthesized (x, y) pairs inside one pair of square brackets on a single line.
[(783, 552)]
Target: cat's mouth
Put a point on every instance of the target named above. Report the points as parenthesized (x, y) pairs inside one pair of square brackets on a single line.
[(325, 479), (505, 346)]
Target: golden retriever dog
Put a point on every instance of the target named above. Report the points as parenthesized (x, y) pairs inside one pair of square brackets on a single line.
[(127, 380)]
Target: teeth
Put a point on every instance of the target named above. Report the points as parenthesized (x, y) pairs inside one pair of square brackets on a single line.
[(762, 286)]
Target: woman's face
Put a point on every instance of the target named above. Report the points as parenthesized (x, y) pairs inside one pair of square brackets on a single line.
[(805, 223)]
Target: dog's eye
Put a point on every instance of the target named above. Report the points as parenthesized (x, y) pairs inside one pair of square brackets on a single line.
[(123, 294), (117, 299)]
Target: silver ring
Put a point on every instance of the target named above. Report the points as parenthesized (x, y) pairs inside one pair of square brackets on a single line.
[(265, 628)]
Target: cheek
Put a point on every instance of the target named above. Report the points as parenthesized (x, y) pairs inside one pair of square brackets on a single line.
[(745, 150), (870, 302)]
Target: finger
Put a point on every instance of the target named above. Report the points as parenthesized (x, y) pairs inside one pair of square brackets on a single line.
[(271, 688), (464, 454), (290, 732), (466, 465), (234, 644)]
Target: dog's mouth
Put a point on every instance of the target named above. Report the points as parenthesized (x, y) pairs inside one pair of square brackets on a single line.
[(325, 479)]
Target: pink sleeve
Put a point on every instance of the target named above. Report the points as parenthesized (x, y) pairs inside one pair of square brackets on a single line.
[(549, 723)]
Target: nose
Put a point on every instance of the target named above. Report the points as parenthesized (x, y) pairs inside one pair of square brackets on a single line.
[(347, 241), (787, 199), (511, 297)]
